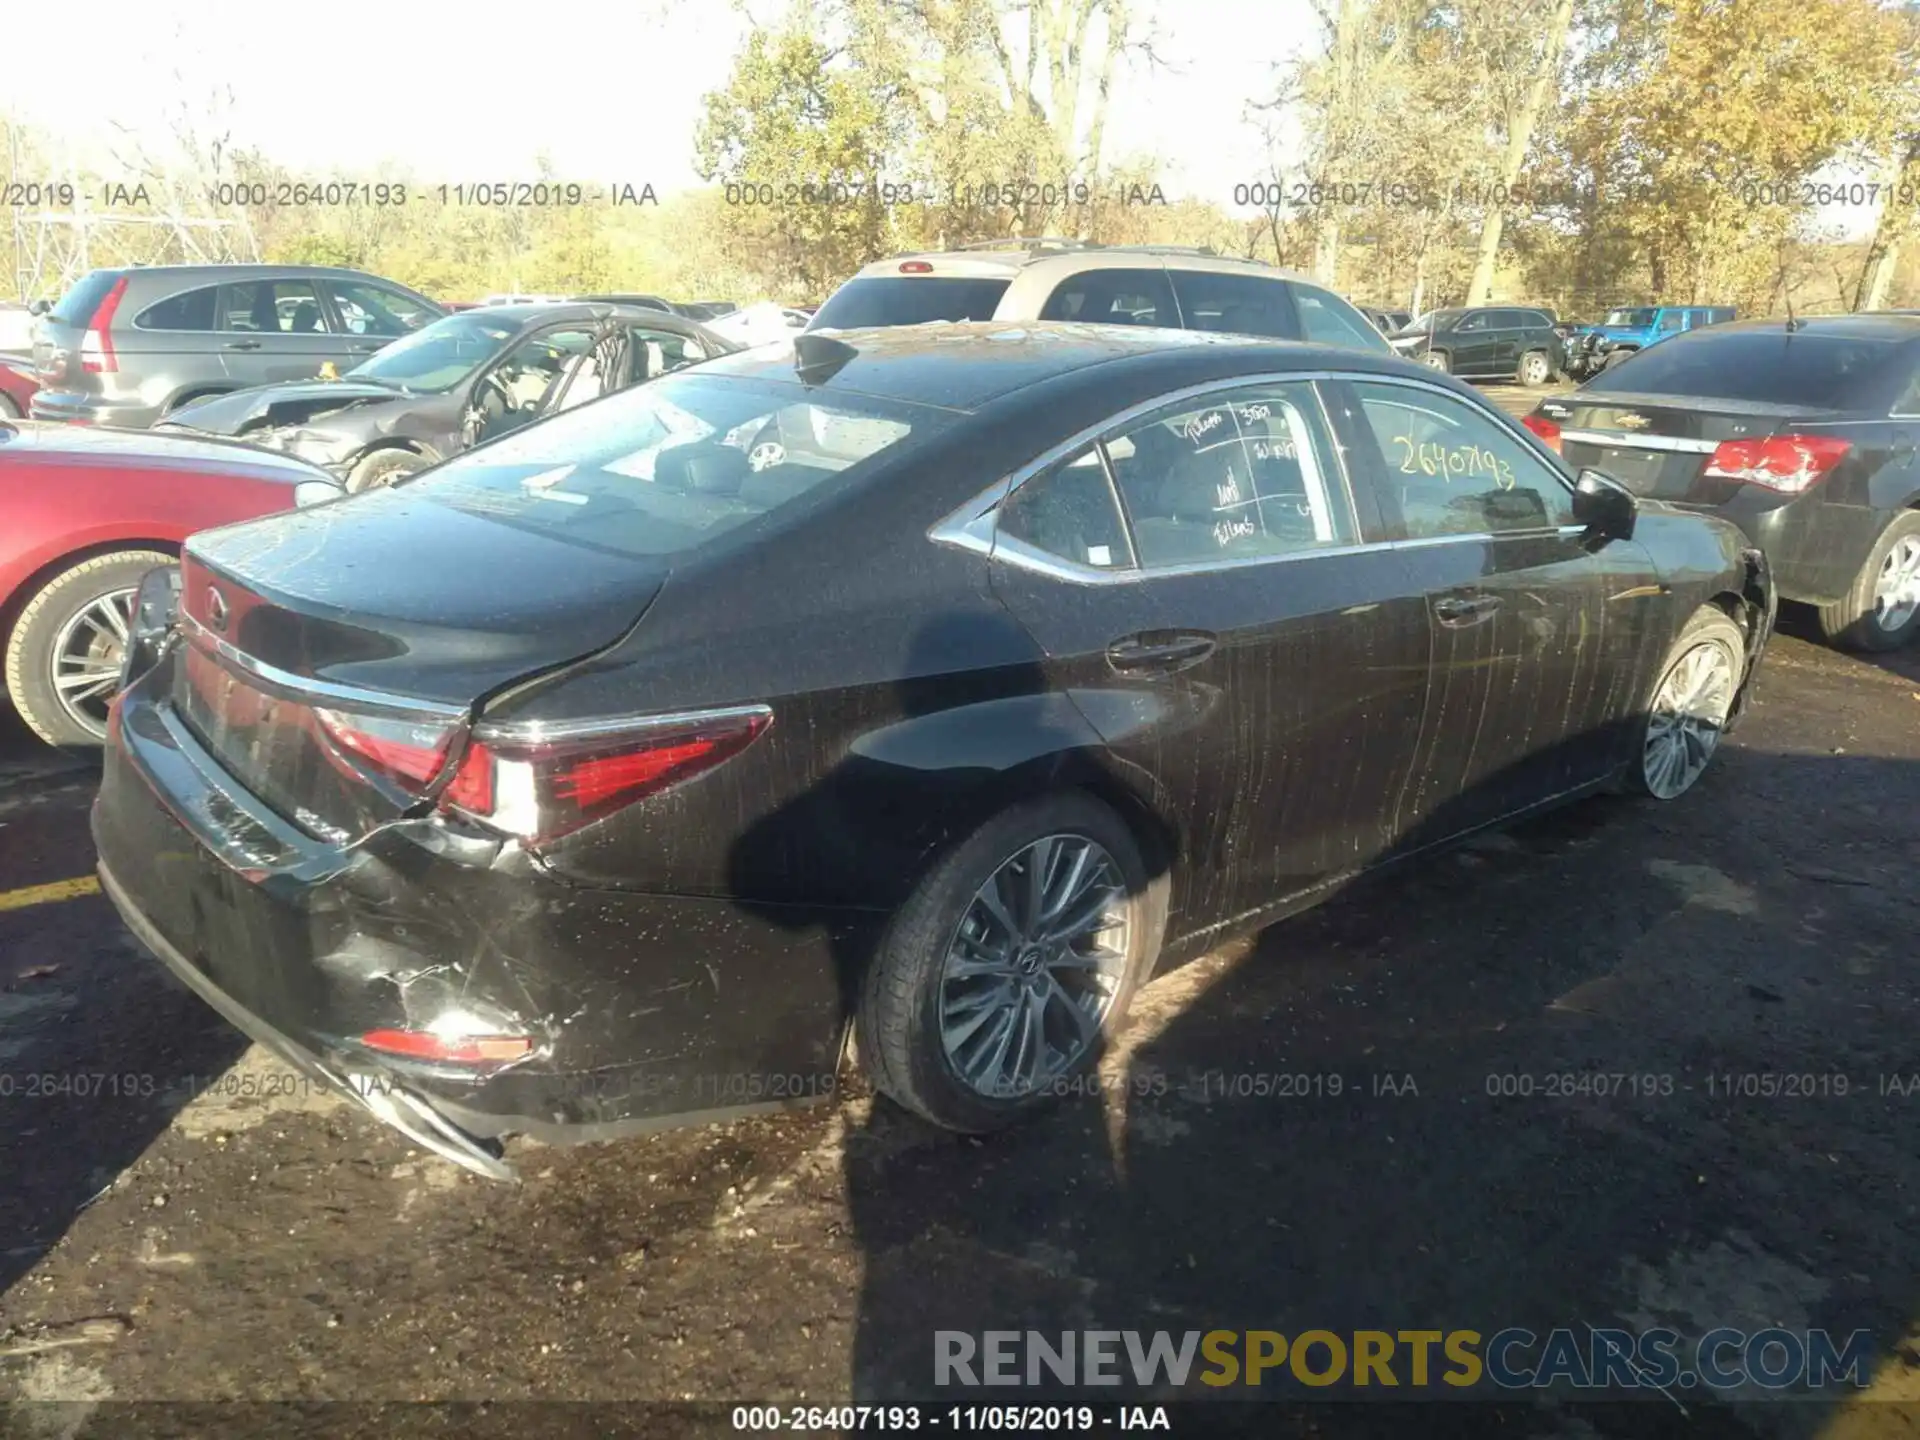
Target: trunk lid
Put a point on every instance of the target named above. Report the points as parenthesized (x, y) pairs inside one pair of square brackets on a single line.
[(1659, 445), (390, 615)]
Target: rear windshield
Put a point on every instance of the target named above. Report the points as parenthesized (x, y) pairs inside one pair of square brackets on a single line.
[(898, 300), (1773, 367), (76, 307), (664, 468)]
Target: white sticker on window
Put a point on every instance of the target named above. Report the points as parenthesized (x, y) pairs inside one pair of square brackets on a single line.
[(1099, 555)]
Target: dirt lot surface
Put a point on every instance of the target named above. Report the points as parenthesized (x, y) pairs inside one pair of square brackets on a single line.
[(192, 1223)]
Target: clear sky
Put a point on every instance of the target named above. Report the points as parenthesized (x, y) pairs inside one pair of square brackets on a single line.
[(474, 91)]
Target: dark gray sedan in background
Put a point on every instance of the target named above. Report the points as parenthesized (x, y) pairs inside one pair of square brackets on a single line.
[(462, 380)]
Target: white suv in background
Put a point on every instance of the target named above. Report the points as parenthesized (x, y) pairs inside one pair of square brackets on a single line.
[(1157, 285)]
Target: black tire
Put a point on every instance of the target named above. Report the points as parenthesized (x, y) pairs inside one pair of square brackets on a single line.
[(1710, 625), (1854, 621), (1438, 360), (382, 468), (9, 410), (30, 648), (1545, 370), (898, 1024)]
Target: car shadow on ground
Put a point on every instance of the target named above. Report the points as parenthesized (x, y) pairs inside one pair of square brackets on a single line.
[(87, 1083), (1351, 1130)]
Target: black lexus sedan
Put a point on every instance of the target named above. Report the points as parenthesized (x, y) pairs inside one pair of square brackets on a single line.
[(1801, 432), (464, 379), (933, 685)]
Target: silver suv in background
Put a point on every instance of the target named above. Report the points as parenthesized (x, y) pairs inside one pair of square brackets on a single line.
[(1165, 286), (125, 347)]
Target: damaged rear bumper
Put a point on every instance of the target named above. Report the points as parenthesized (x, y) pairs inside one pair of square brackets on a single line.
[(644, 1011)]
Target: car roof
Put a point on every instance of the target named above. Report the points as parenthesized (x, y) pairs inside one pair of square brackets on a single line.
[(1070, 258), (965, 365), (240, 271), (1884, 325), (529, 312)]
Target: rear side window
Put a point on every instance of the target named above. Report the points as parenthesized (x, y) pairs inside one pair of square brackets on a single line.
[(1237, 304), (1773, 367), (901, 300), (1069, 512), (283, 307), (1669, 321), (189, 310), (1114, 297), (76, 307), (1329, 320)]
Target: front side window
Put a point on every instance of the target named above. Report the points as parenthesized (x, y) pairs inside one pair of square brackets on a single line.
[(1114, 297), (1450, 470), (1236, 304), (1630, 319), (1244, 476), (1326, 319), (375, 310)]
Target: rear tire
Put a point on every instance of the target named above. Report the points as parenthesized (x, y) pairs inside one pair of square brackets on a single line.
[(945, 963), (383, 468), (1680, 732), (66, 631), (1882, 610), (9, 410), (1535, 369)]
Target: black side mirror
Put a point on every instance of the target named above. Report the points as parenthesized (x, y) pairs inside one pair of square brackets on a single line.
[(1605, 506), (40, 307)]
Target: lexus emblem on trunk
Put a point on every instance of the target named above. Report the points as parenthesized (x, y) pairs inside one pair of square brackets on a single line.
[(216, 609)]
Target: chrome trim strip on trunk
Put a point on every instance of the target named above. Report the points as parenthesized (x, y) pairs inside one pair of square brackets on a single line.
[(287, 685), (1623, 441)]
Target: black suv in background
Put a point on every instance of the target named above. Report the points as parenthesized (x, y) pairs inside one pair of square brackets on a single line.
[(124, 347), (1487, 342)]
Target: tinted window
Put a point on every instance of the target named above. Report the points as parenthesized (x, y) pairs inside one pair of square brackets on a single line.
[(1909, 401), (1329, 320), (666, 468), (1478, 320), (1669, 321), (1248, 475), (1115, 297), (374, 310), (189, 310), (1069, 512), (1451, 470), (1532, 320), (1235, 304), (76, 307), (1771, 366), (438, 356), (898, 300), (279, 307)]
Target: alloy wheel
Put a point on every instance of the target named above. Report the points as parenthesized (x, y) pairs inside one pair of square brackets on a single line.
[(87, 653), (1533, 370), (1689, 714), (1896, 589), (1034, 966)]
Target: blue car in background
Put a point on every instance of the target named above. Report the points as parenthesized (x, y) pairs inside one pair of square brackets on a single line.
[(1629, 330)]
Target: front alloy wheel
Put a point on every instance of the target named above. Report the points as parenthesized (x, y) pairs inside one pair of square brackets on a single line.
[(1689, 714), (1896, 588), (1034, 966)]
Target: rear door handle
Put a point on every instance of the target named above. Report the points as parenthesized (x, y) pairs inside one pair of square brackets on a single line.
[(364, 347), (1160, 651), (243, 345), (1458, 611)]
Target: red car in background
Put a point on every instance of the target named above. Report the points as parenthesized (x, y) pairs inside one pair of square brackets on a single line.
[(84, 514), (16, 386)]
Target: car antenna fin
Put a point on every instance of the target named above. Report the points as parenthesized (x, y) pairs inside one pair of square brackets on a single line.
[(818, 358)]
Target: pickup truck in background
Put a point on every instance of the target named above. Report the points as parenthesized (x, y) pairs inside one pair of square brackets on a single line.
[(1630, 329)]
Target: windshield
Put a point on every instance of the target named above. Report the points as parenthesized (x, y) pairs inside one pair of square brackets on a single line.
[(666, 467), (896, 300), (1439, 320), (437, 356), (1773, 367), (1637, 319)]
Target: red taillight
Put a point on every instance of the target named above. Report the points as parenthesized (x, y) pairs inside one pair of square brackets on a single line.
[(408, 751), (1547, 430), (541, 786), (96, 350), (916, 267), (450, 1049), (1787, 463)]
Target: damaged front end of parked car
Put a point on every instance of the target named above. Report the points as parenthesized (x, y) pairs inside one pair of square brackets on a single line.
[(329, 423)]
